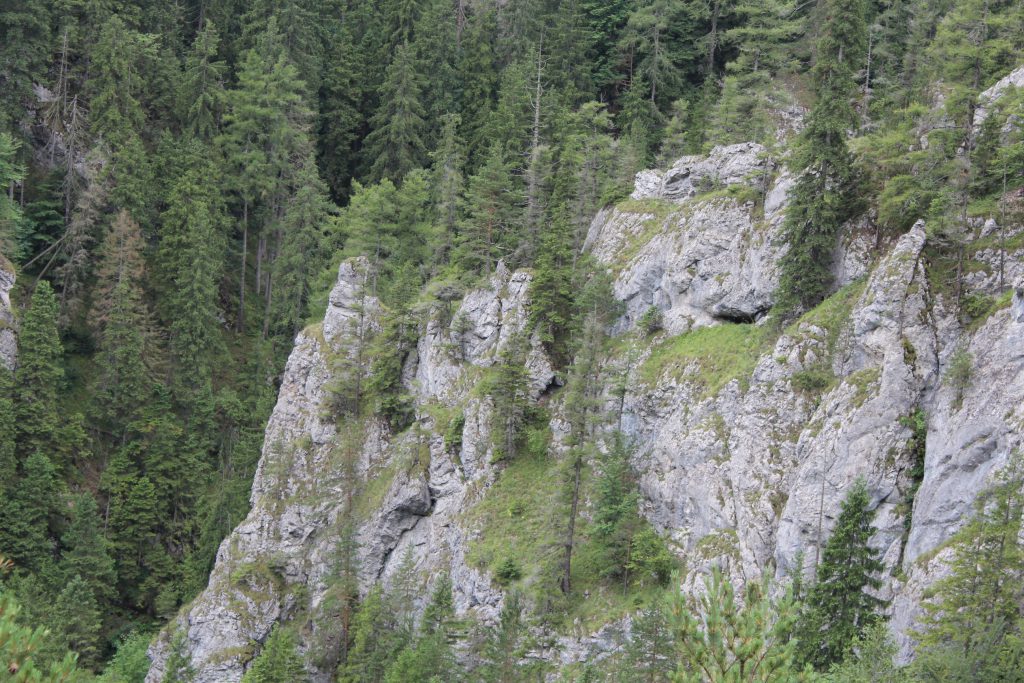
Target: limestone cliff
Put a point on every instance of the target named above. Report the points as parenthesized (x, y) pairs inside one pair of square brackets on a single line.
[(745, 440), (8, 337)]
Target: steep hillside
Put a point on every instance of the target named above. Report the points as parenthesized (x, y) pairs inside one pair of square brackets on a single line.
[(745, 438)]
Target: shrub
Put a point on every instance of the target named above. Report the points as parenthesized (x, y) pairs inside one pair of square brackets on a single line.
[(508, 571), (958, 373), (651, 321)]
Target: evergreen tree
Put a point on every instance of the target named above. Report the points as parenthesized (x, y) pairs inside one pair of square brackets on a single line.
[(123, 324), (719, 640), (115, 87), (39, 377), (86, 553), (396, 144), (202, 95), (192, 254), (341, 118), (448, 183), (178, 668), (25, 532), (493, 214), (379, 635), (277, 662), (77, 620), (8, 457), (838, 607), (505, 646), (973, 620), (825, 193), (650, 651), (14, 243), (616, 519), (299, 260), (24, 49)]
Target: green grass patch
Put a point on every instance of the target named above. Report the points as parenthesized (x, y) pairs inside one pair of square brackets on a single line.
[(516, 516), (832, 313), (719, 354)]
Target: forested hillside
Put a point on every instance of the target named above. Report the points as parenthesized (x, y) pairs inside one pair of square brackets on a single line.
[(183, 179)]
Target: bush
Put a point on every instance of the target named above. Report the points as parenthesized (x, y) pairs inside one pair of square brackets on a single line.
[(508, 571), (958, 373), (651, 321), (813, 380), (453, 433)]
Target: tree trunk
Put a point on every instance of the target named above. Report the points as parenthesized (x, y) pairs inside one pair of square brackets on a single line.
[(240, 323), (570, 534)]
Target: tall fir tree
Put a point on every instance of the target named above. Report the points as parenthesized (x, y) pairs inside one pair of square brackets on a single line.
[(39, 377), (396, 144), (826, 191), (839, 607)]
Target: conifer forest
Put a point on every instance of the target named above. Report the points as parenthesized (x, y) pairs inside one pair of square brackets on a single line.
[(500, 341)]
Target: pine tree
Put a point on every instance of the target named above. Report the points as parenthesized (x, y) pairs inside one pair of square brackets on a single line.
[(192, 254), (825, 193), (39, 376), (839, 608), (448, 183), (86, 552), (277, 662), (77, 618), (341, 117), (650, 652), (115, 87), (299, 259), (717, 639), (202, 96), (178, 668), (13, 240), (123, 325), (506, 644), (975, 611), (509, 393), (396, 144), (493, 214), (8, 429), (25, 533), (24, 49), (616, 519)]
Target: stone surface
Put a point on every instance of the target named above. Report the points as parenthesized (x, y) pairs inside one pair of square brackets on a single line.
[(8, 325)]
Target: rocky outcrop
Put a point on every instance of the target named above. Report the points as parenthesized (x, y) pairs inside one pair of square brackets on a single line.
[(8, 335), (986, 100), (701, 242), (406, 495), (745, 439)]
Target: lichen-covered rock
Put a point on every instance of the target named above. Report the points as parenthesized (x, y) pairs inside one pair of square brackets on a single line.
[(988, 98), (8, 335)]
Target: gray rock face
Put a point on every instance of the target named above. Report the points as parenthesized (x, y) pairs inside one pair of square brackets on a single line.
[(702, 257), (313, 461), (988, 98), (8, 331)]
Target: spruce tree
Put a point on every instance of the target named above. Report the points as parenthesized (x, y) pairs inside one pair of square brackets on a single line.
[(493, 214), (24, 49), (77, 622), (396, 144), (277, 662), (975, 611), (25, 532), (39, 376), (650, 652), (202, 96), (86, 552), (14, 242), (825, 194), (838, 606)]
